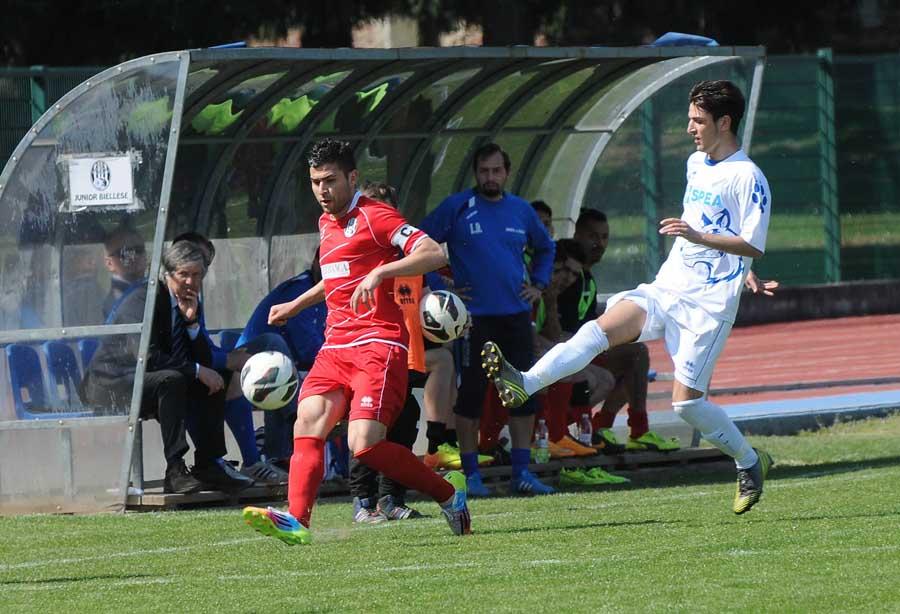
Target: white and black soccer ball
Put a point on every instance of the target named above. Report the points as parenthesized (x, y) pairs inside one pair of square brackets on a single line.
[(444, 316), (269, 380)]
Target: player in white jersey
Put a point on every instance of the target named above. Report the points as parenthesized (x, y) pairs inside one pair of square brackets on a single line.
[(693, 301)]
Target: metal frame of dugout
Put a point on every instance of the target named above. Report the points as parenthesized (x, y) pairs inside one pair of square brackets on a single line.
[(240, 121)]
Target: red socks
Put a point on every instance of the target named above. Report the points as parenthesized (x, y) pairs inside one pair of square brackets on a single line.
[(556, 411), (305, 476), (401, 465)]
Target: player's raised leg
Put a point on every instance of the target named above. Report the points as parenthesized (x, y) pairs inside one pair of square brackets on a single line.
[(316, 416), (621, 324)]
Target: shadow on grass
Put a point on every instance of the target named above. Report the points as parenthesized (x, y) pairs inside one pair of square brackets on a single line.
[(581, 525), (66, 579), (691, 475)]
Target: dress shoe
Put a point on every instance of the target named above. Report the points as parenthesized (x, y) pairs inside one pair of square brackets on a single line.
[(179, 480), (219, 475)]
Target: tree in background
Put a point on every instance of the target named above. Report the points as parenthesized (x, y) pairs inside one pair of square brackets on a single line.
[(105, 32)]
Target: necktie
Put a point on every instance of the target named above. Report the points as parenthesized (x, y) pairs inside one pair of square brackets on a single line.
[(180, 352)]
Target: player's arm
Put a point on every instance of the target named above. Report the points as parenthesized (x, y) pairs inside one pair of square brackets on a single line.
[(677, 227), (279, 314), (426, 256)]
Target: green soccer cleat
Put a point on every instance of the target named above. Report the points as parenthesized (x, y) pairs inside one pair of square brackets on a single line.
[(280, 525), (605, 477), (653, 441), (596, 476), (605, 442), (750, 483), (506, 378)]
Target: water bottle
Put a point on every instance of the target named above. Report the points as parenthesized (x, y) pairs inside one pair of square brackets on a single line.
[(542, 443), (585, 430)]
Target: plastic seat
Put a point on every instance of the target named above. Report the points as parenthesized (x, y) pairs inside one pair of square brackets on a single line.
[(86, 348), (63, 376), (29, 392)]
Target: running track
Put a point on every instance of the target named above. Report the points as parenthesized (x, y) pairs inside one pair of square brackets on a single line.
[(826, 357)]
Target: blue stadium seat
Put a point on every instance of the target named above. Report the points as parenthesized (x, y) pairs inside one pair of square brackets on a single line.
[(27, 380), (63, 376), (228, 339), (87, 347)]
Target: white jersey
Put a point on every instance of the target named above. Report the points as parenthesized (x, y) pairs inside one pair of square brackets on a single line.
[(729, 197)]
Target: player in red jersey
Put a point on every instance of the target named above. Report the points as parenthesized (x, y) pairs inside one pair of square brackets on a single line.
[(362, 365)]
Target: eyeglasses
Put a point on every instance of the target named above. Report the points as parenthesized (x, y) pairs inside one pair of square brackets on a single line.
[(129, 252)]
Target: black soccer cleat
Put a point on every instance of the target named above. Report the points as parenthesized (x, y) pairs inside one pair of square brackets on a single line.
[(750, 483)]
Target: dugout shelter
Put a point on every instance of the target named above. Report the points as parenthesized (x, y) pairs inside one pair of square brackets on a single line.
[(213, 140)]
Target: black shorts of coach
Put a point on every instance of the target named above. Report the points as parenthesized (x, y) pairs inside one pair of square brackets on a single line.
[(514, 334)]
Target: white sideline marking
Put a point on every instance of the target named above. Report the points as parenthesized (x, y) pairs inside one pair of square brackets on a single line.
[(32, 588), (130, 553)]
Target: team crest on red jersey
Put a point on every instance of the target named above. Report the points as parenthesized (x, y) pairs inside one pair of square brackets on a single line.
[(350, 229)]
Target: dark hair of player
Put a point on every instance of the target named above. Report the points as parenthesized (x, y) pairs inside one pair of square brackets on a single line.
[(332, 151), (542, 207), (590, 215), (569, 248), (381, 191), (719, 98)]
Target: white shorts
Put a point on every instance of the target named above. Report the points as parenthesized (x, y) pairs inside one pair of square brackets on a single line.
[(693, 338)]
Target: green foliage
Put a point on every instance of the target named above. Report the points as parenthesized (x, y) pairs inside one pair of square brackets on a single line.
[(824, 537)]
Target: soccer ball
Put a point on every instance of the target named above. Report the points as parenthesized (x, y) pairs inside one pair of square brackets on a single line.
[(269, 380), (443, 315)]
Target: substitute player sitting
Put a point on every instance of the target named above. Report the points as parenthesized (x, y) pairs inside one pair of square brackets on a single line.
[(362, 367), (694, 299)]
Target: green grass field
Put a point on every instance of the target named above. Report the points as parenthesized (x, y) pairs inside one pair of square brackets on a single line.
[(825, 537)]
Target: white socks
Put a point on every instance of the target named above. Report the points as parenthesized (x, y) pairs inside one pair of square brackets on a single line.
[(567, 358), (717, 428)]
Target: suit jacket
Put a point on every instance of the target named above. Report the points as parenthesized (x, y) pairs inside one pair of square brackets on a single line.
[(113, 365)]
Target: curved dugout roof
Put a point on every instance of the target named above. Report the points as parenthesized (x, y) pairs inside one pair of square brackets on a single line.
[(212, 140), (423, 98)]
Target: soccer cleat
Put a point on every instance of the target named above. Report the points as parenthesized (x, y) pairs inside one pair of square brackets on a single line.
[(570, 443), (528, 484), (750, 483), (456, 512), (507, 379), (395, 510), (475, 486), (589, 477), (265, 472), (605, 442), (364, 514), (447, 457), (280, 525), (557, 451), (605, 477), (653, 441)]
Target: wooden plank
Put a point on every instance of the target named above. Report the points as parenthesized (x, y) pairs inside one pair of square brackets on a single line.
[(633, 462)]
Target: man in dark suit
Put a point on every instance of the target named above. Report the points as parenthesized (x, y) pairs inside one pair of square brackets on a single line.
[(179, 381)]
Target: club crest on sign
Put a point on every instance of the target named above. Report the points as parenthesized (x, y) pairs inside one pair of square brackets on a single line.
[(100, 175)]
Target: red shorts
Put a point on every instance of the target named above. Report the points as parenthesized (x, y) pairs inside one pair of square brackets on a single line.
[(372, 376)]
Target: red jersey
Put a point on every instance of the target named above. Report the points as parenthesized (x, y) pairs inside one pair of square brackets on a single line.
[(368, 235)]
